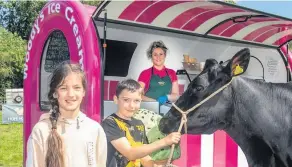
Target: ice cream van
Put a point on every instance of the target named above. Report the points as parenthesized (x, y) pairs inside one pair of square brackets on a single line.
[(110, 42)]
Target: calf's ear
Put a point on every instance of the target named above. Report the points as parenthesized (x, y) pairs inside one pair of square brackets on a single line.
[(239, 63), (209, 63)]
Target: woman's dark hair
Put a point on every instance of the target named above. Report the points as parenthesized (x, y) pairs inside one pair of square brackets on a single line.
[(55, 152), (154, 45), (128, 84)]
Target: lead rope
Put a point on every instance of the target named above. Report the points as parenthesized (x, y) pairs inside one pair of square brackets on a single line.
[(184, 114)]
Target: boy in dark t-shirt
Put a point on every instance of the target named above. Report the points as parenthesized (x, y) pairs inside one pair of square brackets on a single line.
[(117, 128), (127, 141)]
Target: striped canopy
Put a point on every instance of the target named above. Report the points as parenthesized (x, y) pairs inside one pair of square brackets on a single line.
[(214, 19)]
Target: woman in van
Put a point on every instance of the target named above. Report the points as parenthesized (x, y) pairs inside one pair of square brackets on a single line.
[(65, 137), (159, 83)]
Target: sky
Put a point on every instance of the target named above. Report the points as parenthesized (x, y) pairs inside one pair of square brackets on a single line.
[(278, 7)]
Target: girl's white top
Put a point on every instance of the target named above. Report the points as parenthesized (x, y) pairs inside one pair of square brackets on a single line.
[(84, 140)]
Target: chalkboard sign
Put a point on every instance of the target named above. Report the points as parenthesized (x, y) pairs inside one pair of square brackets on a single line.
[(57, 51)]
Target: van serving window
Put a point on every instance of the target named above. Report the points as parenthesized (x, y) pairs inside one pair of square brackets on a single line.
[(55, 51), (118, 57)]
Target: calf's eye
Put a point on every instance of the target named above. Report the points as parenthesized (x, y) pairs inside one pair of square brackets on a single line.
[(199, 88)]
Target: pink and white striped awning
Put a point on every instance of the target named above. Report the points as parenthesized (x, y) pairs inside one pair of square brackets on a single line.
[(203, 18)]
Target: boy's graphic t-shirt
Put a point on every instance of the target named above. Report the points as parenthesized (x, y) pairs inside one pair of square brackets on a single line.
[(115, 128)]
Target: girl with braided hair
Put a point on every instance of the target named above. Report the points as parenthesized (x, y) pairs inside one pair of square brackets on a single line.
[(65, 137)]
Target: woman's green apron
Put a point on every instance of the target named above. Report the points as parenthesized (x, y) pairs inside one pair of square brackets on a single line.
[(159, 86)]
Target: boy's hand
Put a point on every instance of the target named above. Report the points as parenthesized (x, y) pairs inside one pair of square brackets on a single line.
[(172, 138)]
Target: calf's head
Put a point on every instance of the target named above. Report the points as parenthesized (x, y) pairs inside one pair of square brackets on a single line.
[(212, 114)]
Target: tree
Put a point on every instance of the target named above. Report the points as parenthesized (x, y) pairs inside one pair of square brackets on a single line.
[(12, 53), (18, 16)]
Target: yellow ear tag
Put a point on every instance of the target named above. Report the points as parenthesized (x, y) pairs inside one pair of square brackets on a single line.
[(238, 70)]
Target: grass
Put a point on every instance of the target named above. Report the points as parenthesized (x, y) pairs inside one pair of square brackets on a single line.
[(11, 144)]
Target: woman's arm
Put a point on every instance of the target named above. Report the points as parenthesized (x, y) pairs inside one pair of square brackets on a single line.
[(143, 79), (174, 92), (145, 98)]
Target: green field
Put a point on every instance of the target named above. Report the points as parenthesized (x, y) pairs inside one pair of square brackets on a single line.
[(11, 144)]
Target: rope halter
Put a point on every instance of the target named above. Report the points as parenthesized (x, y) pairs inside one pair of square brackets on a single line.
[(184, 114)]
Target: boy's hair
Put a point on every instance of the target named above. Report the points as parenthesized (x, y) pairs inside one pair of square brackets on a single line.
[(129, 84)]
